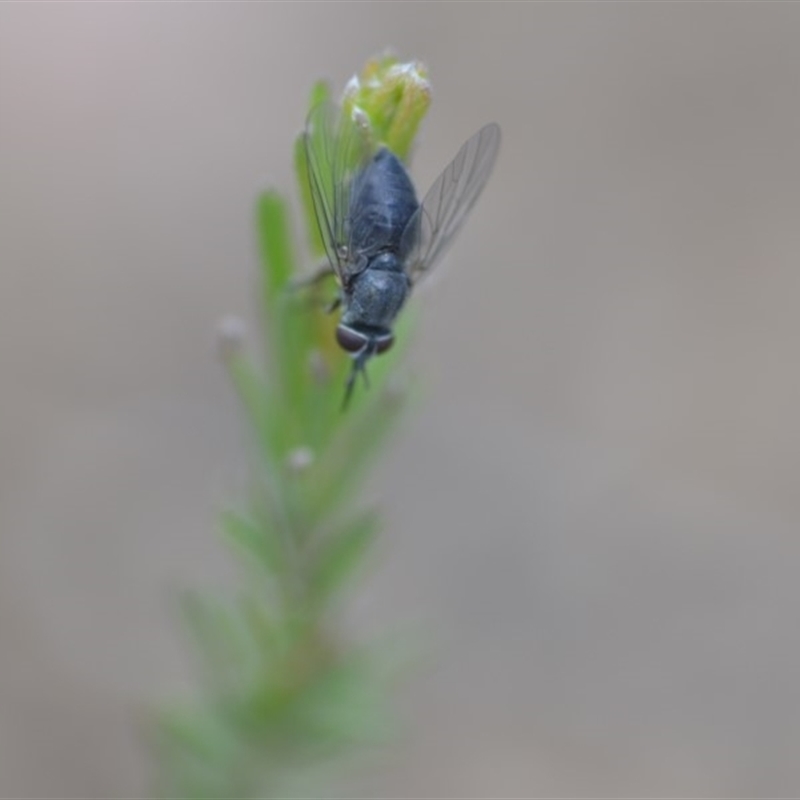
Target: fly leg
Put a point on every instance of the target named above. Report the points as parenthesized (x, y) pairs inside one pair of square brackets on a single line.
[(316, 277), (313, 283), (334, 304)]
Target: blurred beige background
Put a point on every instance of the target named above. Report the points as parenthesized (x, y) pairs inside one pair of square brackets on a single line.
[(594, 512)]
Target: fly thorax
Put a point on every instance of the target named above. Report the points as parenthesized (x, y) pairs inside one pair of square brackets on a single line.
[(377, 294), (385, 262)]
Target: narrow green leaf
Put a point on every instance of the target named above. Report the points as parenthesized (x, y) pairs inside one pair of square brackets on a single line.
[(275, 245), (289, 325), (342, 553), (215, 634), (263, 413), (199, 733), (256, 542), (344, 463), (200, 752), (268, 632), (320, 92), (344, 706)]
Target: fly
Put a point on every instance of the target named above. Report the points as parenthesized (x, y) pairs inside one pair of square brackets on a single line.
[(380, 241)]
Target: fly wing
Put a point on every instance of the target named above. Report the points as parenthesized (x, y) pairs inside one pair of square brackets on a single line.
[(448, 202), (337, 149)]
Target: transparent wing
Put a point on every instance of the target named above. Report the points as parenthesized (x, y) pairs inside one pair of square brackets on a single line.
[(445, 207), (337, 149)]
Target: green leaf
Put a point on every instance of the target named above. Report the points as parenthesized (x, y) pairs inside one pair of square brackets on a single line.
[(217, 636), (275, 246), (320, 92), (343, 465), (341, 554), (200, 733), (199, 754), (344, 706), (289, 324), (263, 414), (256, 542), (268, 632)]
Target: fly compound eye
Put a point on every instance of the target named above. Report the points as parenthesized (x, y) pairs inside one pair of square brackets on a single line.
[(383, 343), (350, 340)]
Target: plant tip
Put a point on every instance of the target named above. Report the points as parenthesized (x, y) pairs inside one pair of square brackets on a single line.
[(300, 459), (396, 389), (320, 371), (230, 336)]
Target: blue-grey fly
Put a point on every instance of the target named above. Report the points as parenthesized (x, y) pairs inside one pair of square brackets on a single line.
[(380, 241)]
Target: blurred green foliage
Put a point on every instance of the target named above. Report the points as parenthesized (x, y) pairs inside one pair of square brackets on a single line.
[(284, 694)]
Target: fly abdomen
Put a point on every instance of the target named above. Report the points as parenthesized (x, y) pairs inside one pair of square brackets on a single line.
[(382, 201)]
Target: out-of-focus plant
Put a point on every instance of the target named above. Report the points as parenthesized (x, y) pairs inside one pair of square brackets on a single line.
[(284, 693)]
